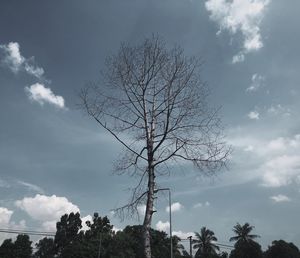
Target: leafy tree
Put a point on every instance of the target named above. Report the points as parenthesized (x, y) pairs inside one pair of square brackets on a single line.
[(7, 249), (45, 248), (67, 238), (246, 249), (97, 239), (131, 243), (282, 249), (156, 99), (243, 233), (22, 247), (205, 243), (223, 255)]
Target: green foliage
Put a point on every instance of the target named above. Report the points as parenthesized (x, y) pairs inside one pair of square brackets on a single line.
[(242, 233), (21, 248), (204, 243), (7, 249), (71, 242), (282, 249), (67, 239), (45, 248), (246, 249)]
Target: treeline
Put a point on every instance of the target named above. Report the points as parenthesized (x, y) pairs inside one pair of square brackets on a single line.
[(100, 240)]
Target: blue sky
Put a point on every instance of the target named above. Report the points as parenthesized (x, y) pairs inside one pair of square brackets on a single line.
[(54, 159)]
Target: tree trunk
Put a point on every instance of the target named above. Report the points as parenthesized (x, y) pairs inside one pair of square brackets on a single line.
[(149, 213)]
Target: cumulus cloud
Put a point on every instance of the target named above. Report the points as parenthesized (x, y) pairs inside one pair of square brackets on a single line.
[(5, 216), (6, 222), (16, 62), (254, 115), (176, 206), (239, 16), (46, 208), (280, 198), (41, 94), (256, 82), (163, 226)]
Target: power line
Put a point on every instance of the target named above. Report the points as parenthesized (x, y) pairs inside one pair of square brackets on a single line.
[(27, 232)]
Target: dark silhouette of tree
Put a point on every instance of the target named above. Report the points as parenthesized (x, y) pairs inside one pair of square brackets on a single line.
[(243, 233), (282, 249), (128, 244), (223, 255), (246, 249), (7, 249), (205, 243), (22, 246), (45, 248), (68, 237), (97, 239), (153, 102)]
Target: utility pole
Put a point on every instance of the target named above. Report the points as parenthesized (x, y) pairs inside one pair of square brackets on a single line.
[(190, 238), (100, 242), (170, 214)]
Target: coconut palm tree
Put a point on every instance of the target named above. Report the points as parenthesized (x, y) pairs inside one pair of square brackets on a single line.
[(205, 243), (243, 233)]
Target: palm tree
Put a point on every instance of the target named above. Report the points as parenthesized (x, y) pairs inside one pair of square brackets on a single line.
[(204, 242), (243, 233)]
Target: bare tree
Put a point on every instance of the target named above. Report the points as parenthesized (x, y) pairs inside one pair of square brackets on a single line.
[(154, 103)]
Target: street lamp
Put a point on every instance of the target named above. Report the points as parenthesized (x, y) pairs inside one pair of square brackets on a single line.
[(170, 214)]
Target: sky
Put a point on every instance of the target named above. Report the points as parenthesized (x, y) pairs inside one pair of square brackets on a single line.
[(54, 159)]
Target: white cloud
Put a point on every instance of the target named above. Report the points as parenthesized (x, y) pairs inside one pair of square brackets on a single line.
[(34, 70), (38, 92), (12, 56), (279, 144), (238, 58), (197, 205), (141, 210), (49, 226), (275, 162), (256, 82), (281, 170), (254, 115), (16, 62), (84, 220), (6, 222), (183, 235), (163, 226), (176, 206), (240, 16), (31, 187), (249, 148), (115, 229), (280, 198), (275, 110), (5, 216), (46, 208)]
